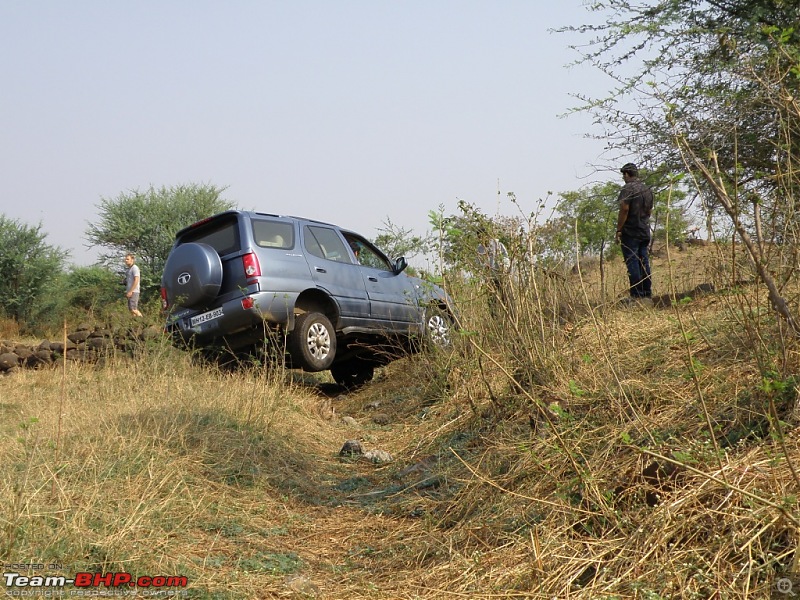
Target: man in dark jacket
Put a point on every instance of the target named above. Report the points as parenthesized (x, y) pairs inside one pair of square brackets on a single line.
[(633, 232)]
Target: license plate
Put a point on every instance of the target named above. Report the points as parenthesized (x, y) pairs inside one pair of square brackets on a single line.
[(205, 317)]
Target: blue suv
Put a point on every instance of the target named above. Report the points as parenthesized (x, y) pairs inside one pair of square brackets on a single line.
[(238, 278)]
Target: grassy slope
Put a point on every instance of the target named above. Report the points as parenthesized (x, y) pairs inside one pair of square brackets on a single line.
[(551, 487)]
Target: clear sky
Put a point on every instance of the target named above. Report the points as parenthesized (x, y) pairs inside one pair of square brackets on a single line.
[(347, 111)]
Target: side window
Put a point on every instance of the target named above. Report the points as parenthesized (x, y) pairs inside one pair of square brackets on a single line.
[(366, 254), (324, 242), (273, 234)]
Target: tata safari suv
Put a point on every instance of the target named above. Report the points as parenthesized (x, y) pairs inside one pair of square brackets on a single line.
[(239, 278)]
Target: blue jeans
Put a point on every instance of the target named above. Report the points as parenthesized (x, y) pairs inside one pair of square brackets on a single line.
[(635, 254)]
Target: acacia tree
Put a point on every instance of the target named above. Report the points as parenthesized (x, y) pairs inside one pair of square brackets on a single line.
[(710, 87), (703, 65), (145, 223), (27, 266), (398, 241)]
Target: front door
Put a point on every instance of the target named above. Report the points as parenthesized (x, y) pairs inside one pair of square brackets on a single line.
[(393, 299)]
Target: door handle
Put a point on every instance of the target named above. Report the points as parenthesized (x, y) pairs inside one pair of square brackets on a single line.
[(375, 279), (320, 270)]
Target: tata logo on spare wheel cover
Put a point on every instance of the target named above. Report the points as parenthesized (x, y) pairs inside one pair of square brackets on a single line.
[(184, 278)]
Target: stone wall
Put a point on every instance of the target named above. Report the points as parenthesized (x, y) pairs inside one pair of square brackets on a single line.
[(86, 344)]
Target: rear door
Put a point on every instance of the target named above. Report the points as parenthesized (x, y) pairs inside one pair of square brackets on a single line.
[(335, 272), (223, 233)]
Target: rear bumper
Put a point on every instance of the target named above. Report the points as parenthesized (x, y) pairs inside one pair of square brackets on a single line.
[(235, 318)]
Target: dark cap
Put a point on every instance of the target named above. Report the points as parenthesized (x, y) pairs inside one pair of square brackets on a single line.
[(630, 169)]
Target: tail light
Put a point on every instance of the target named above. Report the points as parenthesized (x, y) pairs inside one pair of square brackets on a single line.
[(252, 269), (164, 302)]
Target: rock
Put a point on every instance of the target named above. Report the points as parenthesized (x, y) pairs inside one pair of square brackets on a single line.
[(124, 344), (351, 448), (373, 405), (45, 345), (350, 421), (77, 354), (24, 352), (302, 586), (84, 327), (99, 343), (378, 456), (381, 419), (79, 336), (40, 358), (8, 360), (58, 347)]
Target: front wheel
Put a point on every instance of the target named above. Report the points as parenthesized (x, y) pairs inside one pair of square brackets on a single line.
[(438, 327), (312, 342)]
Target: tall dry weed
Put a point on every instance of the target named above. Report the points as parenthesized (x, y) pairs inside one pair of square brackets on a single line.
[(618, 445)]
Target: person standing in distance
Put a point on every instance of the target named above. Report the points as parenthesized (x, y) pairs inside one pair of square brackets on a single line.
[(132, 279), (494, 262), (633, 232)]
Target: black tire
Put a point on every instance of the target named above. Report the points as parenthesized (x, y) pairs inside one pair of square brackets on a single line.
[(192, 275), (352, 374), (438, 327), (312, 342)]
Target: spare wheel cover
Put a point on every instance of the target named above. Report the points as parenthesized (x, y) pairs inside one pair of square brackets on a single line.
[(192, 275)]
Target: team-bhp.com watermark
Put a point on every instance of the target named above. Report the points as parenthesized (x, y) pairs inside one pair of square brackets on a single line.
[(94, 585)]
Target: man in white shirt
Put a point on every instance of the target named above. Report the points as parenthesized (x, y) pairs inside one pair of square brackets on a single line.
[(132, 278)]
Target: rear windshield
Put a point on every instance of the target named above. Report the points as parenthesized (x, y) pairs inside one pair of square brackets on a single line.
[(220, 234), (273, 234)]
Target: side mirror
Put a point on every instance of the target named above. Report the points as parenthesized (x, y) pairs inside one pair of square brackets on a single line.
[(400, 265)]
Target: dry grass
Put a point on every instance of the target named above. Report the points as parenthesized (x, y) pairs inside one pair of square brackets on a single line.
[(573, 451), (9, 329)]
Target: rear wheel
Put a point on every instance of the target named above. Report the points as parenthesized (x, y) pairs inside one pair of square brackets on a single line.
[(352, 373), (312, 342)]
